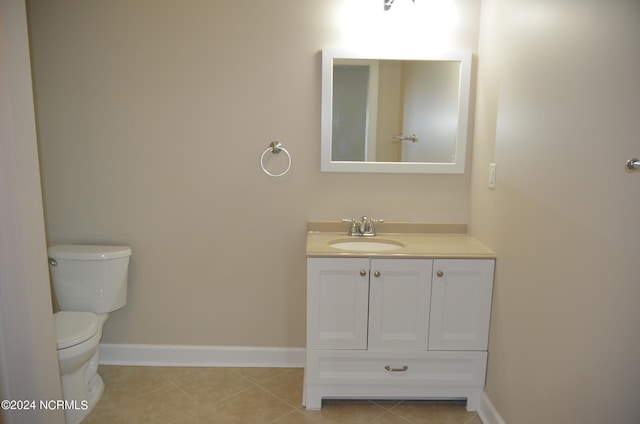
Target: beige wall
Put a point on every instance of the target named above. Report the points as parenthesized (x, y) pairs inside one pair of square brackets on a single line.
[(557, 109), (152, 117)]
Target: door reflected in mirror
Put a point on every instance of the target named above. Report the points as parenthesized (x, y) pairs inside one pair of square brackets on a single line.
[(394, 114)]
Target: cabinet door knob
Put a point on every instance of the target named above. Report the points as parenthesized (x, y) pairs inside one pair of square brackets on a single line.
[(440, 274), (363, 273), (376, 274)]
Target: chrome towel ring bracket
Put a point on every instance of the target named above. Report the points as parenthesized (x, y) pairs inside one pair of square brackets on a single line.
[(275, 147), (633, 164)]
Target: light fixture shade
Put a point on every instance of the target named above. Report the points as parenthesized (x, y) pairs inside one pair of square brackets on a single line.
[(389, 3)]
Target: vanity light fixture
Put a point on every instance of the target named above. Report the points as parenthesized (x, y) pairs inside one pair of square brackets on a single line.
[(389, 3)]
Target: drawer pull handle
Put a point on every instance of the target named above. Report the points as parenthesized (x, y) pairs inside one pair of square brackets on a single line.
[(389, 368)]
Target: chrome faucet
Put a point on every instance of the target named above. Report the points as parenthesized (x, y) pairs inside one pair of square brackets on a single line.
[(364, 228)]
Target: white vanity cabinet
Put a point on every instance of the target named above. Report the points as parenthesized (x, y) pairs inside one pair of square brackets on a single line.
[(397, 328)]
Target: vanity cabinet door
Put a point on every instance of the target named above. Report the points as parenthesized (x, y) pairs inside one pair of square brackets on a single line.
[(399, 299), (460, 304), (337, 303)]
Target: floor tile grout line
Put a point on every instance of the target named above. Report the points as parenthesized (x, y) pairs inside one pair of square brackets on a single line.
[(473, 417), (383, 409), (184, 391), (295, 407), (397, 413), (286, 370), (401, 416), (408, 421), (226, 398), (255, 385), (274, 395), (217, 401), (293, 411), (261, 386), (138, 395)]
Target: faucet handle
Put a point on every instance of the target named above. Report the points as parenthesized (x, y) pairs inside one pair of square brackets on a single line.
[(369, 227), (353, 226)]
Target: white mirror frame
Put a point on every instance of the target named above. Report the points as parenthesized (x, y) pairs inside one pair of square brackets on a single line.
[(458, 167)]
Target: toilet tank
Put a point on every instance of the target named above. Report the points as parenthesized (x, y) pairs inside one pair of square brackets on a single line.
[(89, 278)]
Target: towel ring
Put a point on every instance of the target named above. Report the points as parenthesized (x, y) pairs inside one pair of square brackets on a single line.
[(275, 147)]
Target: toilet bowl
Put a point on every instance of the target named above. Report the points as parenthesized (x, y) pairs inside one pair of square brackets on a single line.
[(78, 336)]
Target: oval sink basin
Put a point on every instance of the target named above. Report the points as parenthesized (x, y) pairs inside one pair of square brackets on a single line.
[(366, 245)]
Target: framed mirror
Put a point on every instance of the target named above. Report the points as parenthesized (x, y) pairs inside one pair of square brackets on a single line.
[(386, 113)]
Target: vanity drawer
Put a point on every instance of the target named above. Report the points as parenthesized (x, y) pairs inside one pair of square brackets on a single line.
[(404, 368)]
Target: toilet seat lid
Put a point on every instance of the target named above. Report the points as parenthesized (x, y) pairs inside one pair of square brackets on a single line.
[(73, 328)]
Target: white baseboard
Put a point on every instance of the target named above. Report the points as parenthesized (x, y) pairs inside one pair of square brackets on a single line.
[(487, 412), (200, 356)]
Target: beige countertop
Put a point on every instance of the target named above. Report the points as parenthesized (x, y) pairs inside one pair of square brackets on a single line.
[(416, 245)]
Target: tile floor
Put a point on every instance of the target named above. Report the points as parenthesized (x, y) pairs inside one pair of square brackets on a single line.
[(169, 395)]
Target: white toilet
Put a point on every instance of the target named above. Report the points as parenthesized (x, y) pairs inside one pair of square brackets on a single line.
[(89, 282)]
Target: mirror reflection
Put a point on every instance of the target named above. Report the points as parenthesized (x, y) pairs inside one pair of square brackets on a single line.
[(394, 110), (386, 113)]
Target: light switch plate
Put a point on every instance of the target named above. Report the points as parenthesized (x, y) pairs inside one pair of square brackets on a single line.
[(492, 176)]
